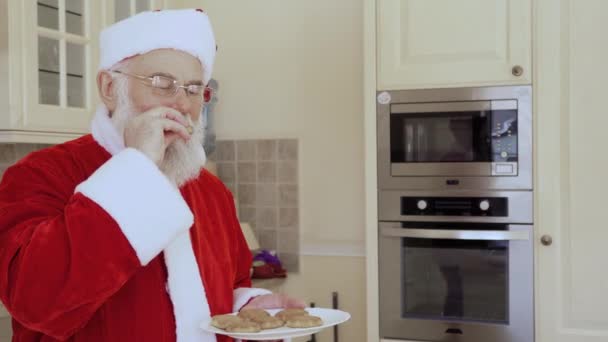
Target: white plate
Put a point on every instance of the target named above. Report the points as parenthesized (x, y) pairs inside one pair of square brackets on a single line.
[(330, 318)]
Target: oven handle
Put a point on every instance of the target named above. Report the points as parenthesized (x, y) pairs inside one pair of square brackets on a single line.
[(423, 233)]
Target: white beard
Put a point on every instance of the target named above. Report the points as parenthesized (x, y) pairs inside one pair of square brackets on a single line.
[(183, 161)]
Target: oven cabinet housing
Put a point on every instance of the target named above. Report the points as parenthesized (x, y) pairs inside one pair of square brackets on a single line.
[(570, 166), (438, 44)]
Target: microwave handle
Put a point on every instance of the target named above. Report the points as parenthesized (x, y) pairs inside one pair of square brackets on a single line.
[(423, 233), (446, 107)]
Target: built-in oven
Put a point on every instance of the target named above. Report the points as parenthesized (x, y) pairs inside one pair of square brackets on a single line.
[(461, 138), (456, 267)]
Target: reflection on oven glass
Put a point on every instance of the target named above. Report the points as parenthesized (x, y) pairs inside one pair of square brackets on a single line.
[(455, 280)]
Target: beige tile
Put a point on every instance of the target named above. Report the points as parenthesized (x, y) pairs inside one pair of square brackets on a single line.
[(248, 214), (245, 150), (287, 171), (267, 239), (7, 154), (232, 188), (288, 217), (288, 241), (266, 194), (246, 172), (288, 195), (267, 172), (6, 329), (225, 150), (266, 217), (267, 149), (246, 194), (290, 262), (288, 149), (226, 171), (22, 150)]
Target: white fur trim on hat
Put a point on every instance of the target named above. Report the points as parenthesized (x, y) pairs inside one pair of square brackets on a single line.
[(186, 30)]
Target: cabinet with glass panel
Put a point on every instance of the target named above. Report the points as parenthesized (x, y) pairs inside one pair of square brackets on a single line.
[(48, 64)]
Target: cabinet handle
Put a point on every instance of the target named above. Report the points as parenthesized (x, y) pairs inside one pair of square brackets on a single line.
[(517, 70), (546, 240)]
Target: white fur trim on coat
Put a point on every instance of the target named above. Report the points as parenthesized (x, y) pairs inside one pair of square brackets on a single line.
[(148, 208), (187, 291), (243, 294), (187, 30), (105, 133)]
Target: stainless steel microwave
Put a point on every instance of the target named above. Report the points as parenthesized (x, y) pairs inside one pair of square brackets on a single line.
[(460, 138)]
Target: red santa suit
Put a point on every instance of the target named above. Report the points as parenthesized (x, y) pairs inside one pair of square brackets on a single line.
[(97, 245)]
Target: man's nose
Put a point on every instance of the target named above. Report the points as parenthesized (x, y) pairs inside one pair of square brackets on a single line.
[(182, 102)]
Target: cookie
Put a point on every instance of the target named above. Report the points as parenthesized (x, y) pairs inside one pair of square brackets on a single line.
[(287, 313), (253, 314), (222, 321), (307, 321), (271, 323), (243, 326)]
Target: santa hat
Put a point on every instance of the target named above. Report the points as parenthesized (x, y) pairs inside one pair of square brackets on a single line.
[(186, 30)]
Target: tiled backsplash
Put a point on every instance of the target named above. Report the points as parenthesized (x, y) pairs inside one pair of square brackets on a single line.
[(11, 153), (263, 177)]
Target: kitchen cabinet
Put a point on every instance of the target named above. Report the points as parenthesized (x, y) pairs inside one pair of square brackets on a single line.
[(437, 44), (569, 106), (570, 125), (48, 65), (47, 92), (121, 9)]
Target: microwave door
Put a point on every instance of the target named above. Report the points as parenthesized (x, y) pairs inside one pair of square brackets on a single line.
[(421, 141), (409, 142)]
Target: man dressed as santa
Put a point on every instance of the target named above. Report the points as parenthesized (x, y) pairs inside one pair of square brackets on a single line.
[(121, 235)]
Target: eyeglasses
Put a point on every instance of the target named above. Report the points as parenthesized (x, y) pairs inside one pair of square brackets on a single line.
[(168, 86)]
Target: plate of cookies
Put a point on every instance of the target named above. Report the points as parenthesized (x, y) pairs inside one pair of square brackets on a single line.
[(274, 324)]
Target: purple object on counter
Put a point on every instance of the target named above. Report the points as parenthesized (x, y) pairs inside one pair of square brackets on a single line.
[(267, 257)]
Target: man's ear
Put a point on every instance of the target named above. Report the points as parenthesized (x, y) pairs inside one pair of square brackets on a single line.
[(105, 86)]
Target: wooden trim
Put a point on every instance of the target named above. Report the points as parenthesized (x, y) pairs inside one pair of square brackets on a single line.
[(371, 187), (36, 137)]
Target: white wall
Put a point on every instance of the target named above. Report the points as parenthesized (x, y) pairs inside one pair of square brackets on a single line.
[(293, 69)]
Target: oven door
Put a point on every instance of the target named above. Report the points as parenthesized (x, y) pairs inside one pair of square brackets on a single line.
[(456, 282)]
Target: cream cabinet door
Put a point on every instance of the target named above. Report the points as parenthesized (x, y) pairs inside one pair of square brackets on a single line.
[(445, 43), (121, 9), (60, 63), (571, 123)]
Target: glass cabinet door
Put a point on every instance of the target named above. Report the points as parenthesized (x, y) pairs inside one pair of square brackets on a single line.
[(62, 50), (126, 8), (60, 62)]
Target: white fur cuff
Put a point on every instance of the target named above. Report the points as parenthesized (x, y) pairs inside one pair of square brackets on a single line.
[(243, 294), (148, 208)]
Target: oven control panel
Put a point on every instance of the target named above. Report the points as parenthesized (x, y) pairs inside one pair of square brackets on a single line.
[(455, 206)]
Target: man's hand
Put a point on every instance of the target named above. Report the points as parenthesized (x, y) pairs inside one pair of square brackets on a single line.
[(274, 301), (153, 131)]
